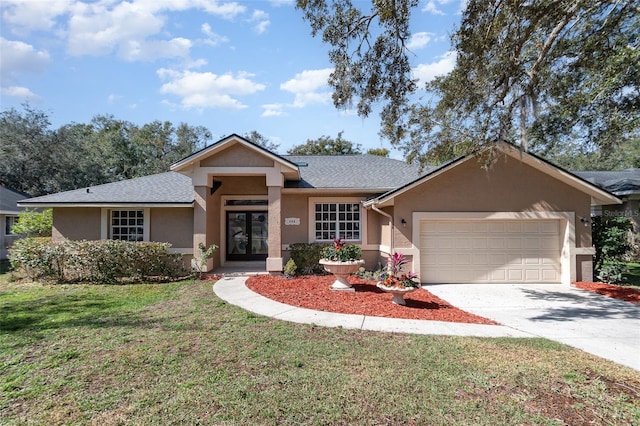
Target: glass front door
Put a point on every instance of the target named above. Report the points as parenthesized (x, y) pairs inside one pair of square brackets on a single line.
[(247, 235)]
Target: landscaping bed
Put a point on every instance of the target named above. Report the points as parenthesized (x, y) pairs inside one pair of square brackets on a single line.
[(628, 294)]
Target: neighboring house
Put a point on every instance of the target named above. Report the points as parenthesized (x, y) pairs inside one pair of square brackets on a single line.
[(9, 212), (625, 184), (523, 220)]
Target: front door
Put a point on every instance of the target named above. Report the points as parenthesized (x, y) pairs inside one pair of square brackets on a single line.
[(247, 235)]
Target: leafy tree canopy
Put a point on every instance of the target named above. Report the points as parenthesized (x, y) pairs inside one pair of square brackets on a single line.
[(261, 140), (326, 145), (380, 152), (37, 159), (540, 74)]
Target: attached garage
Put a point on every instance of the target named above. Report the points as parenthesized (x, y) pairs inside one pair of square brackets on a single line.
[(490, 251)]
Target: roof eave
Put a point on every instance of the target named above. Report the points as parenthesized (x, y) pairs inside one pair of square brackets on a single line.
[(107, 204)]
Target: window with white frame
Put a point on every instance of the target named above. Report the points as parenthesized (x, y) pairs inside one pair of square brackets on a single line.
[(10, 221), (337, 220), (127, 225)]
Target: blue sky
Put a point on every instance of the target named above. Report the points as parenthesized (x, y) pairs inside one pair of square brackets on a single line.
[(232, 67)]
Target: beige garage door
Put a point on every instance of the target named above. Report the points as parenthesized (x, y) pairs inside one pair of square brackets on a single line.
[(490, 251)]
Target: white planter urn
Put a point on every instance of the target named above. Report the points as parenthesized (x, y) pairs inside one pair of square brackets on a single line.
[(341, 270), (397, 292)]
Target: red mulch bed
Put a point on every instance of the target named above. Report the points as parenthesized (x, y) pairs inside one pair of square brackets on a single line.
[(628, 294), (313, 292)]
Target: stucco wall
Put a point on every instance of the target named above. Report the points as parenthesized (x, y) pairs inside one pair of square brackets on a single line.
[(509, 186), (237, 156), (76, 223), (172, 225)]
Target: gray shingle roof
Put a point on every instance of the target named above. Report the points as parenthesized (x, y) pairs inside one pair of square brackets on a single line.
[(619, 182), (367, 172), (9, 199), (162, 188)]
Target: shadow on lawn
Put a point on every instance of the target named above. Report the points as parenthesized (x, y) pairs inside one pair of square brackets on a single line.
[(65, 311), (572, 306)]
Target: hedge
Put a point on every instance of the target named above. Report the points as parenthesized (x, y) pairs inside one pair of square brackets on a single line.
[(103, 261)]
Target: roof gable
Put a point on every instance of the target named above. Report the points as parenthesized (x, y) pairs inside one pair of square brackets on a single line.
[(598, 195), (227, 146)]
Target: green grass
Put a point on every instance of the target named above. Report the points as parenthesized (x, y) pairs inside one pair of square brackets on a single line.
[(176, 354)]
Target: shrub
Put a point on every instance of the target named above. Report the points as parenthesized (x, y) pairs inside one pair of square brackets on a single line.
[(105, 261), (306, 257), (610, 238), (290, 268), (34, 223)]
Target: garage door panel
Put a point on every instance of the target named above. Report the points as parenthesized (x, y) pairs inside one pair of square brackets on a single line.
[(490, 251)]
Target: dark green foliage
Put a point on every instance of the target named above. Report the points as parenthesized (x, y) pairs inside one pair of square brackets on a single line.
[(38, 160), (306, 257), (611, 241), (103, 262), (560, 78), (326, 145)]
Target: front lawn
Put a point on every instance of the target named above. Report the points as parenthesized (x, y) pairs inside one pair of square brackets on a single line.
[(176, 354)]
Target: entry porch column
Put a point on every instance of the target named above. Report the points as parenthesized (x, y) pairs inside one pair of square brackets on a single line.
[(275, 182)]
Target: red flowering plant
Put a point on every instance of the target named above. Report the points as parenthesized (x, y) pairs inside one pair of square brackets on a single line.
[(341, 252), (395, 276)]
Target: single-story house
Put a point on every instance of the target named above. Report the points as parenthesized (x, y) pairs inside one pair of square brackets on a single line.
[(625, 184), (521, 220), (9, 212)]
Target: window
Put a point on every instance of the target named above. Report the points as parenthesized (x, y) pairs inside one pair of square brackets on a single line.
[(9, 223), (337, 220), (127, 225)]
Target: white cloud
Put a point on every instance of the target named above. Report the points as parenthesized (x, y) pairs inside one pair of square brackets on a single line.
[(208, 90), (113, 98), (307, 87), (432, 8), (18, 57), (19, 92), (261, 20), (273, 110), (34, 15), (212, 39), (419, 40), (278, 3), (427, 72)]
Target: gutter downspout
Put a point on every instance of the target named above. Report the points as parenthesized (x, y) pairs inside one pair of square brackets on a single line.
[(391, 227)]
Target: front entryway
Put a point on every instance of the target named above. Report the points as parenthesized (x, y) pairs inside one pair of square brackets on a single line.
[(247, 235)]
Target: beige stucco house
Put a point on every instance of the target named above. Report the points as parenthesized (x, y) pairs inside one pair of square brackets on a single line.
[(522, 220)]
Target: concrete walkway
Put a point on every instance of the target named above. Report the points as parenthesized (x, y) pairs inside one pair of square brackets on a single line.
[(593, 323)]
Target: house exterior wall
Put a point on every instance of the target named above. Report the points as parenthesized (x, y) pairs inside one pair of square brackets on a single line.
[(172, 225), (6, 241), (509, 186), (76, 223)]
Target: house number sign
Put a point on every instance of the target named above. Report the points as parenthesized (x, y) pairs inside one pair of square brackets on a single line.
[(292, 221)]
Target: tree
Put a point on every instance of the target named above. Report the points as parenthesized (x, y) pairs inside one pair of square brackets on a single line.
[(262, 141), (537, 74), (325, 145), (380, 152), (39, 160)]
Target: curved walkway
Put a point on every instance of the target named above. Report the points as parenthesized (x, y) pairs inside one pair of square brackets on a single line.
[(597, 324)]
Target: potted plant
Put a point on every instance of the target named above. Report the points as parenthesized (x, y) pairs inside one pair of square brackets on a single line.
[(396, 281), (341, 260)]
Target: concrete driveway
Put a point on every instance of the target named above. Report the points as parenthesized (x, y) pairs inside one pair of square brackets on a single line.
[(597, 324)]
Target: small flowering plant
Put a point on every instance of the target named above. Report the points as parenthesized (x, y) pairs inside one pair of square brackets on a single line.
[(395, 276), (341, 252)]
